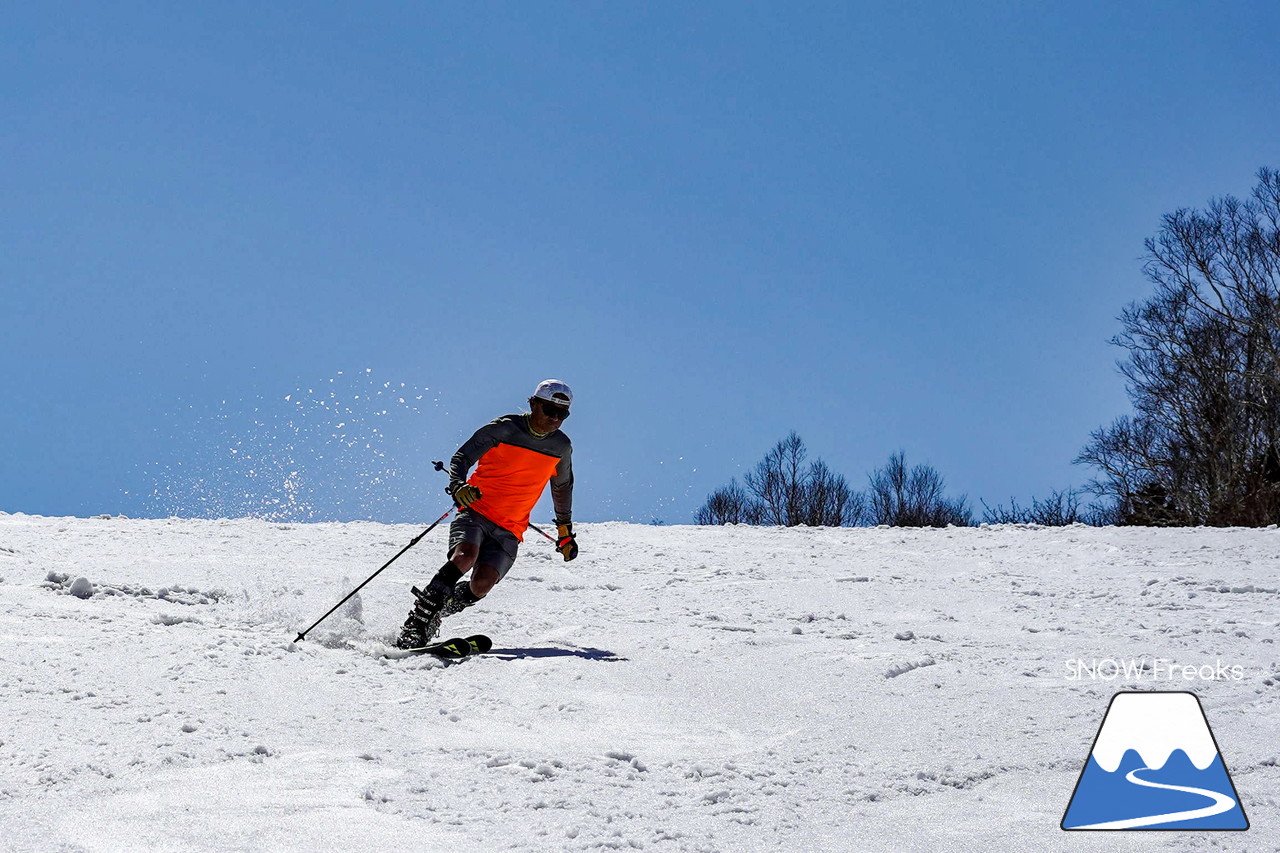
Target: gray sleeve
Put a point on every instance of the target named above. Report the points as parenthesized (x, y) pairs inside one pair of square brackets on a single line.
[(562, 488), (483, 440)]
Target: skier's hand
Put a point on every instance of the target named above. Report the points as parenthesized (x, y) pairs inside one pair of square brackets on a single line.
[(463, 494), (567, 543)]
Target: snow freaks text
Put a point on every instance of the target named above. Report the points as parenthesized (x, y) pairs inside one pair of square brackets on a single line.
[(1153, 670)]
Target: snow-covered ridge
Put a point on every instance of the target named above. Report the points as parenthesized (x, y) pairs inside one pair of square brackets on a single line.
[(1154, 725)]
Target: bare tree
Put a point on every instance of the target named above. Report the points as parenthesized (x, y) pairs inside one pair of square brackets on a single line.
[(1203, 373), (902, 497), (778, 482), (829, 502), (1059, 509), (782, 490), (728, 505)]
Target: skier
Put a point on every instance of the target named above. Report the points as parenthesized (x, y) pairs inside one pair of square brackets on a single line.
[(515, 457)]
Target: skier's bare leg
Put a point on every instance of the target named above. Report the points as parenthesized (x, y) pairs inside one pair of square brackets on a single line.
[(464, 556), (483, 578)]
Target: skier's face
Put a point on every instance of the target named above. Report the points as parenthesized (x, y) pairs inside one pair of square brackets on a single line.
[(546, 417)]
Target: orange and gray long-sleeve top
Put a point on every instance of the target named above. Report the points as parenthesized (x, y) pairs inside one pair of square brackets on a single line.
[(513, 466)]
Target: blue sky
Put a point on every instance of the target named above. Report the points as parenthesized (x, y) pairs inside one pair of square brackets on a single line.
[(893, 226)]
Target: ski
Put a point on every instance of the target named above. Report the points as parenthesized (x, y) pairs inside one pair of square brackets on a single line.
[(456, 647)]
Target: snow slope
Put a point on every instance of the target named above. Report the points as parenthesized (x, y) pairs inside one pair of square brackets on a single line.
[(675, 689)]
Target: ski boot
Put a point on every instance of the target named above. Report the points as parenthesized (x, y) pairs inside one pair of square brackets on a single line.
[(418, 630), (423, 623), (461, 597)]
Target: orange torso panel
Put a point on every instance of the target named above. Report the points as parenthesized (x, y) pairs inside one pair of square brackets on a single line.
[(511, 480)]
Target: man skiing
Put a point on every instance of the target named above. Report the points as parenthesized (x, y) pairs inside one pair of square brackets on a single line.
[(515, 457)]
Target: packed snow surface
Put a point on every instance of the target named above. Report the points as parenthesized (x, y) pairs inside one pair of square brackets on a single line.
[(674, 689)]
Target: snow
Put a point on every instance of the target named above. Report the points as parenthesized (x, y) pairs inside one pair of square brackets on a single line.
[(674, 689)]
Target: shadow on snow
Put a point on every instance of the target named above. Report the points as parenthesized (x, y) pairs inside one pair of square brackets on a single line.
[(522, 654)]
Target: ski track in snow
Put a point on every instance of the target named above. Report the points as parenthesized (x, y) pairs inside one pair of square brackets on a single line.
[(674, 689)]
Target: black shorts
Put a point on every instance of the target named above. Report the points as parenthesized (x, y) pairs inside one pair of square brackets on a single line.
[(498, 546)]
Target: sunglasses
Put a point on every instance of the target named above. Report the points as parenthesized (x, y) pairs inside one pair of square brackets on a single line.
[(553, 411)]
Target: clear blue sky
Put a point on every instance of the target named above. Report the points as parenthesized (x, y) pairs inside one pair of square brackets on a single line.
[(886, 226)]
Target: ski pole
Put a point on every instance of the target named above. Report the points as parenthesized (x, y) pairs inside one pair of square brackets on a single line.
[(544, 533), (439, 466), (412, 542)]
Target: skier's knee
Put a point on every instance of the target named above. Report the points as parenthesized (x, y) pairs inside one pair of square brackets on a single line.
[(464, 556)]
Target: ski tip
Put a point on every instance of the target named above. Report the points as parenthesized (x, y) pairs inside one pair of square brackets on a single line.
[(479, 643)]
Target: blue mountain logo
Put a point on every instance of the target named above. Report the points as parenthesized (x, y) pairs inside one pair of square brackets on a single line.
[(1155, 765)]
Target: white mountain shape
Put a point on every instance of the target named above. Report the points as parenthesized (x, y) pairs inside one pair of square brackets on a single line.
[(1154, 724)]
